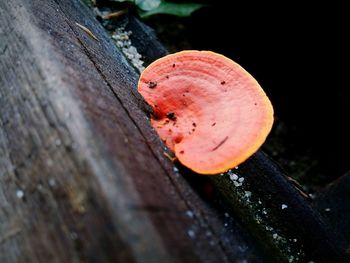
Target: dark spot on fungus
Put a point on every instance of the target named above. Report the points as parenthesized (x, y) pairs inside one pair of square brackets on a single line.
[(173, 65), (167, 76), (182, 152), (220, 143), (171, 116), (223, 82), (194, 124), (213, 124), (178, 138), (152, 84), (193, 129), (255, 103)]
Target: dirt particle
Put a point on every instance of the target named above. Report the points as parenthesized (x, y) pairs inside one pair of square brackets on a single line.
[(219, 145), (182, 152), (213, 124), (171, 116), (173, 65), (167, 76), (194, 124), (170, 156), (223, 82), (152, 84), (178, 138), (19, 194)]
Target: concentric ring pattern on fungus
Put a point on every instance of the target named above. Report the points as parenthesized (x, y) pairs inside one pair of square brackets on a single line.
[(207, 109)]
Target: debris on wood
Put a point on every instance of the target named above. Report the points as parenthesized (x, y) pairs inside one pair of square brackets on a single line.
[(87, 31)]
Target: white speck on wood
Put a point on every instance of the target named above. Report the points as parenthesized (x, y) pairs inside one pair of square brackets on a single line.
[(284, 206), (191, 233), (237, 184), (122, 40), (241, 179), (52, 182), (233, 176), (49, 162), (19, 194), (247, 194), (58, 142), (189, 213)]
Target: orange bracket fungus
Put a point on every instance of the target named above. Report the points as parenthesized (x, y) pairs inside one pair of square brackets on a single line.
[(207, 109)]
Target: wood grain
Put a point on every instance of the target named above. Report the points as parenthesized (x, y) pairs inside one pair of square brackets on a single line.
[(83, 176)]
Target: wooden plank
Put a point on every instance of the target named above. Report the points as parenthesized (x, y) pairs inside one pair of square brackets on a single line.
[(83, 176), (278, 231), (278, 216), (333, 203)]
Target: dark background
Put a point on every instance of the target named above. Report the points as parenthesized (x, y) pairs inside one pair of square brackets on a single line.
[(299, 55)]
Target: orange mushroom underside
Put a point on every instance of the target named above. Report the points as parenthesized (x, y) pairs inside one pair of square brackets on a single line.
[(207, 109)]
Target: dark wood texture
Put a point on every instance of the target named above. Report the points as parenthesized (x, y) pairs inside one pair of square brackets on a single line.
[(334, 205), (83, 176), (280, 218)]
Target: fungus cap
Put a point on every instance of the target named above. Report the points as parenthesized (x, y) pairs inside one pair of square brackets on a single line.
[(207, 109)]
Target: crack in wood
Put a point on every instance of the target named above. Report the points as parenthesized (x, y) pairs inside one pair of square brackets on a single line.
[(175, 185)]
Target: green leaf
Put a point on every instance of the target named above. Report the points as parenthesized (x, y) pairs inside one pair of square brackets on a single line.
[(147, 5), (177, 9)]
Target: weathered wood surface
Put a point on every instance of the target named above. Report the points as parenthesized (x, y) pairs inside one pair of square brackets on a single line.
[(277, 215), (334, 205), (76, 142)]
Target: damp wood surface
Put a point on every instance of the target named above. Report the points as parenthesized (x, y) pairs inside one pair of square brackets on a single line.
[(83, 176)]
